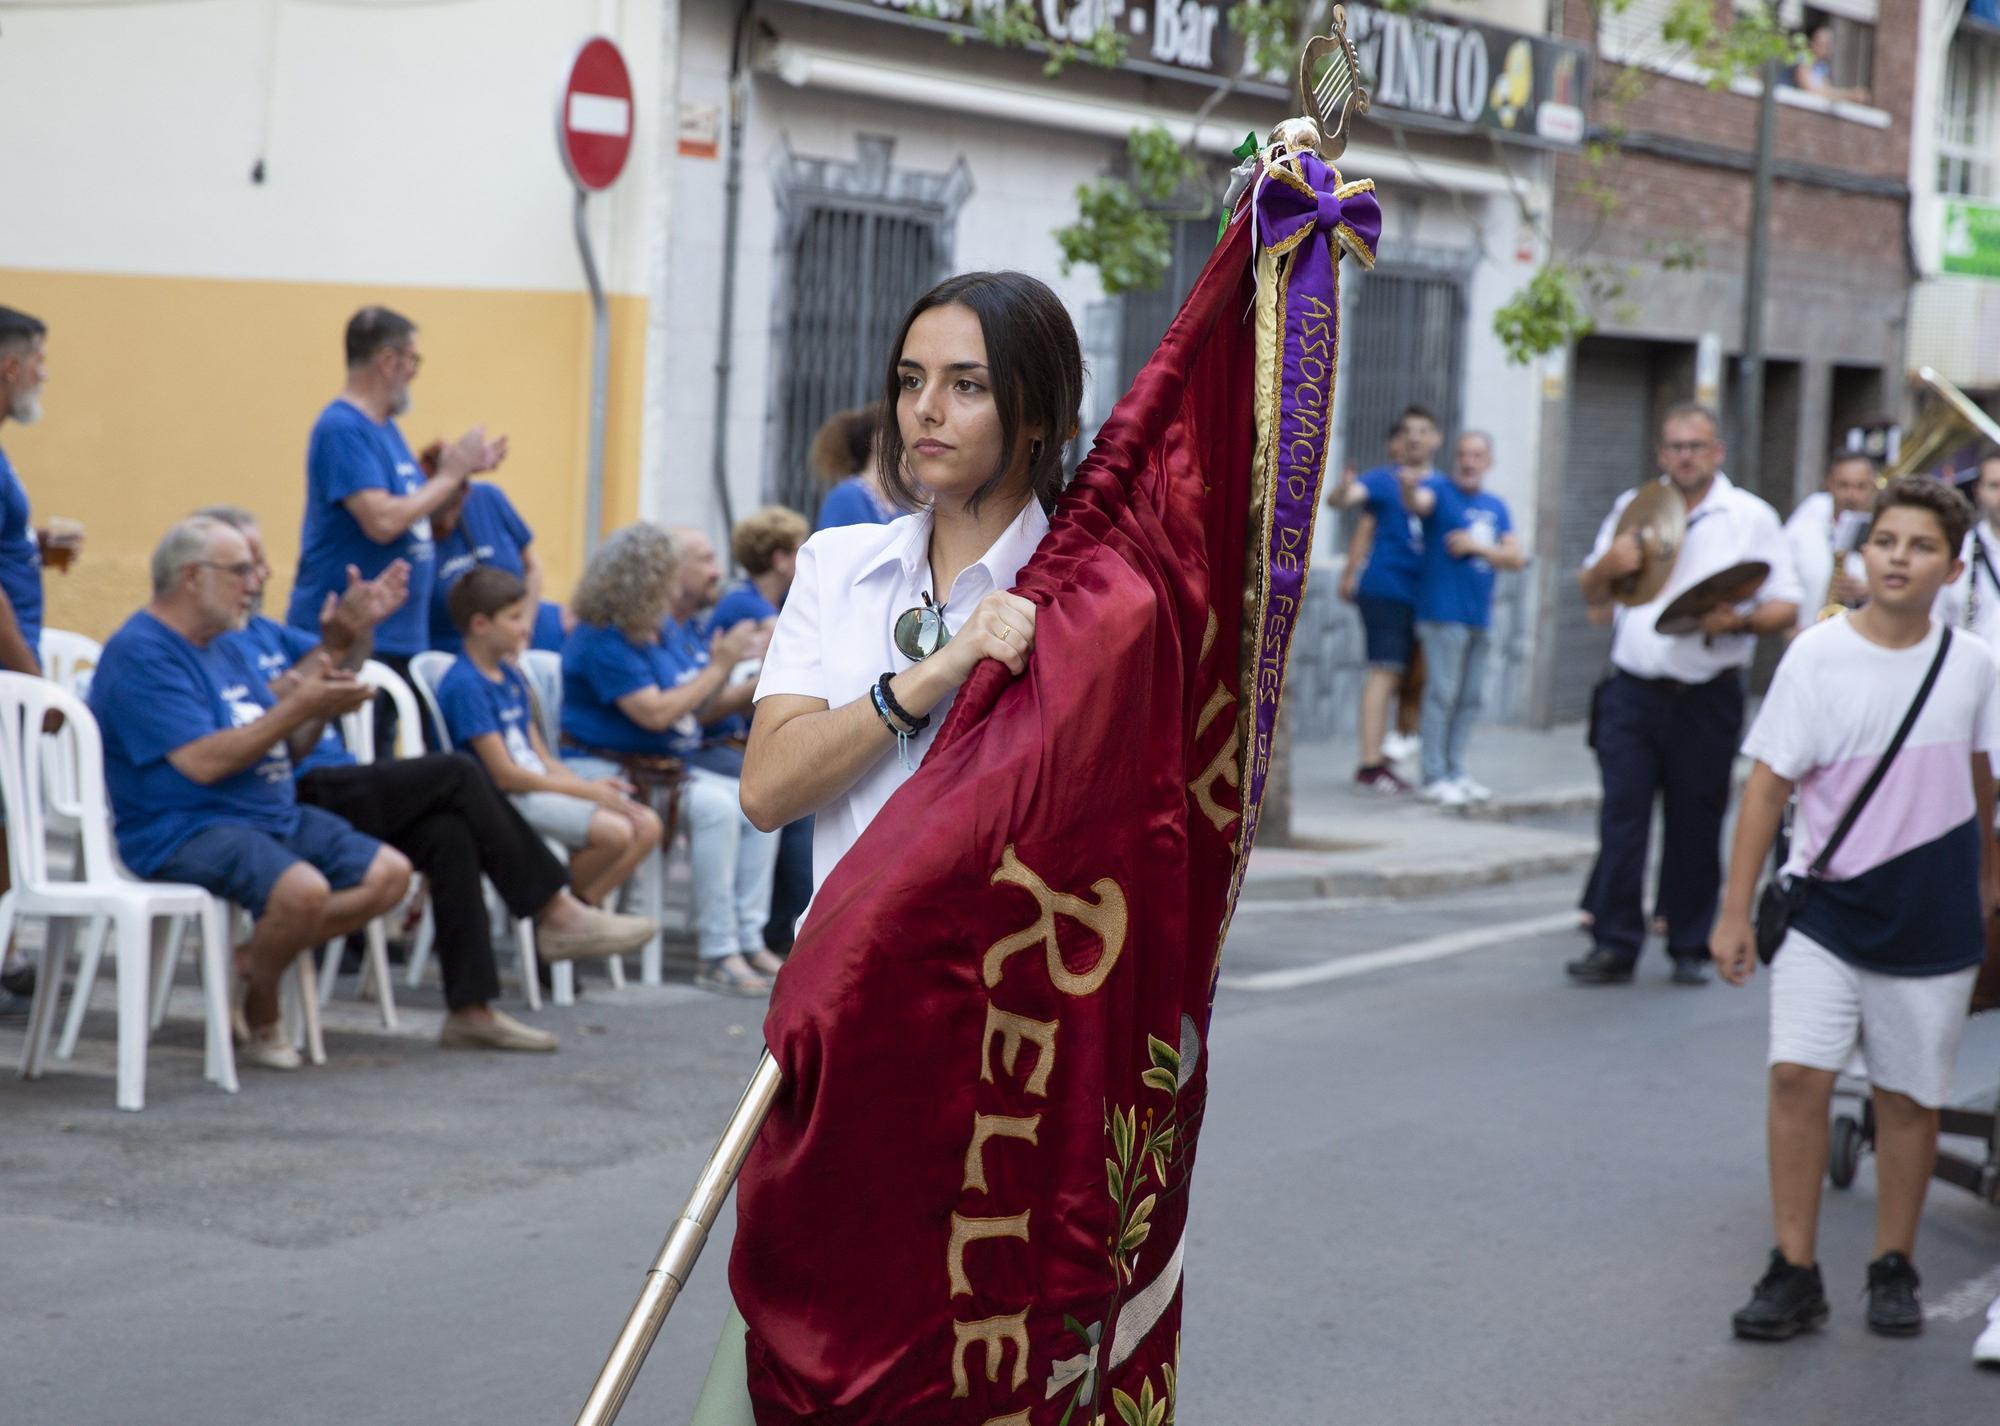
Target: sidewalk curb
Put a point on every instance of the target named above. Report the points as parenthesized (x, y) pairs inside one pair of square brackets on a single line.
[(1405, 882)]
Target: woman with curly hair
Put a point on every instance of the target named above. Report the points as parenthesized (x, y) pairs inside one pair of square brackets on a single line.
[(629, 698)]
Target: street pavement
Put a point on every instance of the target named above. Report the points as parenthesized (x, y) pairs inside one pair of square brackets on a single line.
[(1436, 1184)]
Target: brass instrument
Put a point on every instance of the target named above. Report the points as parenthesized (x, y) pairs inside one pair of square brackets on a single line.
[(1829, 605), (1950, 421)]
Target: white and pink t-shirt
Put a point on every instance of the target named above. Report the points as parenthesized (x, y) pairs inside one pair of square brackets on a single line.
[(1901, 895)]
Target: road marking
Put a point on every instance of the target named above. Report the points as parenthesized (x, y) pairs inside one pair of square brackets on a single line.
[(1433, 948), (1967, 1300)]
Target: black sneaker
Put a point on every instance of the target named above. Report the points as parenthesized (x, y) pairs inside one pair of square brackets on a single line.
[(1893, 1308), (19, 980), (1787, 1301), (1600, 967)]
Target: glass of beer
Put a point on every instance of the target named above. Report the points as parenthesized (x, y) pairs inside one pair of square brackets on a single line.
[(61, 539)]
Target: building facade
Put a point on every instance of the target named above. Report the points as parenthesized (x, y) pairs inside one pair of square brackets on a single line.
[(864, 148), (1677, 231), (196, 197)]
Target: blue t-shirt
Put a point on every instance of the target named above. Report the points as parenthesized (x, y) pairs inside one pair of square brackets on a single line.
[(739, 602), (20, 558), (600, 666), (155, 692), (687, 645), (852, 503), (264, 649), (347, 454), (475, 705), (1459, 590), (489, 531), (1396, 559)]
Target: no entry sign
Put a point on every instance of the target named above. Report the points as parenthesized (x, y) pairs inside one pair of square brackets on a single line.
[(594, 123)]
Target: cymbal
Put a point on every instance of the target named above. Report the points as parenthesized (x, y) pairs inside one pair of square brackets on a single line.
[(1729, 586), (1658, 517)]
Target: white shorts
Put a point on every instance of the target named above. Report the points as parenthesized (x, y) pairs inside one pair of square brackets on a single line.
[(557, 816), (1900, 1031)]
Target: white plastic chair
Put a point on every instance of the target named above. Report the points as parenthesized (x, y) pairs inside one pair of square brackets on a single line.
[(646, 891), (357, 731), (101, 889), (69, 659), (428, 669)]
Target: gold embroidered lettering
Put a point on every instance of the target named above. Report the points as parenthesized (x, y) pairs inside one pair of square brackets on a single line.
[(1019, 1418), (994, 1126), (1223, 766), (970, 1230), (994, 1333), (1217, 701), (1012, 1030), (1106, 917)]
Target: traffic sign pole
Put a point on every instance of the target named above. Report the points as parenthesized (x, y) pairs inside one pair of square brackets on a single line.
[(594, 137)]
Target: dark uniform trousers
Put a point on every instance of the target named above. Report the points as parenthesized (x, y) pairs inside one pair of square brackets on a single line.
[(443, 812), (1658, 738)]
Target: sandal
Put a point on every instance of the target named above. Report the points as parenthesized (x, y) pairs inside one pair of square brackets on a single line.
[(724, 980)]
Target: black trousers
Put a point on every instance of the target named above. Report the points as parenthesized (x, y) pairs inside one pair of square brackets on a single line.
[(792, 886), (385, 709), (443, 812), (1675, 742)]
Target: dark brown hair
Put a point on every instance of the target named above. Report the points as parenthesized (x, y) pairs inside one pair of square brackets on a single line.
[(484, 589), (840, 447), (1036, 371), (373, 328), (1921, 492)]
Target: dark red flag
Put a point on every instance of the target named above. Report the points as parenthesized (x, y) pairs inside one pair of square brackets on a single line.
[(968, 1203)]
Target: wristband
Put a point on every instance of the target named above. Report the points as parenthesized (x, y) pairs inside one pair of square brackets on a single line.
[(916, 725), (902, 734)]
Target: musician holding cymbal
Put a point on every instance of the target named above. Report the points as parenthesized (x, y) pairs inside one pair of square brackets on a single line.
[(1666, 723)]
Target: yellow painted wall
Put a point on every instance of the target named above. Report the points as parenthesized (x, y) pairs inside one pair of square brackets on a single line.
[(168, 393)]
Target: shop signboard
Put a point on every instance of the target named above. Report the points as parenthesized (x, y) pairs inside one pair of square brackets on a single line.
[(1422, 69), (1971, 237)]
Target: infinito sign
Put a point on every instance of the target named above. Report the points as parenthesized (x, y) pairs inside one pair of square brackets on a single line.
[(1424, 69)]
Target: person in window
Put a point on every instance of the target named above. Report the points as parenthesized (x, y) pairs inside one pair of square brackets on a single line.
[(1814, 74), (632, 702), (843, 452)]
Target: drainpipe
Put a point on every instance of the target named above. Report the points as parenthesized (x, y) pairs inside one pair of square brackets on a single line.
[(1750, 420), (732, 203)]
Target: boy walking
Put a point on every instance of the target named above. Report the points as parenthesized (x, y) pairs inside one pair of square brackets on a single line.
[(484, 700), (1877, 966)]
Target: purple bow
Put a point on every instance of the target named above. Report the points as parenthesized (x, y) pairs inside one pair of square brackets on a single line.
[(1343, 213)]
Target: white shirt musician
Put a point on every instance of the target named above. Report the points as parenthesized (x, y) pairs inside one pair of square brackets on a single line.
[(1972, 601), (1666, 724), (1828, 520)]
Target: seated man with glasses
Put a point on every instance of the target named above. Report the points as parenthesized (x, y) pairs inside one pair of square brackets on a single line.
[(198, 766)]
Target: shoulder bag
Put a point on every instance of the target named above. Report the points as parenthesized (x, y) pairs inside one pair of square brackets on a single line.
[(1783, 896)]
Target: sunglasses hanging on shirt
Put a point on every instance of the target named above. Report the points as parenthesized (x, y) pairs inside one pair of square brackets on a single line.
[(921, 632)]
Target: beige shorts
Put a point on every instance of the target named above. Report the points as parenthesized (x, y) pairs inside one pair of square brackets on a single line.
[(1900, 1031)]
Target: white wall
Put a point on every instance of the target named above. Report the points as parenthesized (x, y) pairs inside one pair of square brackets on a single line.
[(129, 132)]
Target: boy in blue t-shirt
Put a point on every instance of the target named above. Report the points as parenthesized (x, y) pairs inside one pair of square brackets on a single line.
[(488, 710), (1468, 534), (1385, 556)]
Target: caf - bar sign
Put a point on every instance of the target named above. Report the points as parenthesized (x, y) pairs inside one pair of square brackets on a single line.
[(1182, 31)]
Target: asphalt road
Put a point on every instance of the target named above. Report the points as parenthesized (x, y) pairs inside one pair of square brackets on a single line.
[(1436, 1184)]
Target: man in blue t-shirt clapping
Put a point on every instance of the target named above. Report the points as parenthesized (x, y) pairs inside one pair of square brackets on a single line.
[(367, 501), (1468, 535), (1385, 561), (199, 769)]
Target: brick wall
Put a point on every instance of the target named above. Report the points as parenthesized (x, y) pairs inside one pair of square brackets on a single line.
[(1661, 199)]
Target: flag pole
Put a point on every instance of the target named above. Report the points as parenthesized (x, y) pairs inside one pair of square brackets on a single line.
[(683, 1245)]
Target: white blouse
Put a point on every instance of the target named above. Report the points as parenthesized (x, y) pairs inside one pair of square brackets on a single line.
[(836, 636)]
